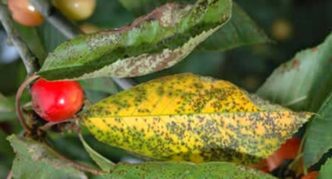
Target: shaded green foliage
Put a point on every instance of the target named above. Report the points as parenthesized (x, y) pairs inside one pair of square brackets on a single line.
[(34, 159), (318, 136)]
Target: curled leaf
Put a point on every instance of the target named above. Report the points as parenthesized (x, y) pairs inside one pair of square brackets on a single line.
[(192, 118), (151, 43)]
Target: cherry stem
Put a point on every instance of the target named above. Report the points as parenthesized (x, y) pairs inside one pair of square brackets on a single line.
[(49, 125), (18, 108)]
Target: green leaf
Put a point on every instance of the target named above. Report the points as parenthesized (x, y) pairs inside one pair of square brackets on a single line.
[(7, 108), (5, 148), (151, 43), (6, 155), (326, 170), (241, 30), (35, 160), (183, 170), (32, 39), (110, 14), (140, 7), (104, 85), (98, 88), (192, 118), (304, 82), (103, 162), (50, 36), (318, 138)]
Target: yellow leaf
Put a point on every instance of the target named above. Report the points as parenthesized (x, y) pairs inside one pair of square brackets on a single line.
[(192, 118)]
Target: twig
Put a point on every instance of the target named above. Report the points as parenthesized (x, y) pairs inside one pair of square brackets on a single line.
[(70, 30), (29, 60), (10, 175)]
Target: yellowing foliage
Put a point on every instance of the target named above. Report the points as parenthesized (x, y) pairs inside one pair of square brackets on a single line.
[(192, 118)]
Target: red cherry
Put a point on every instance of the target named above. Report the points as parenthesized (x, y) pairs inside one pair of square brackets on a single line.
[(56, 101)]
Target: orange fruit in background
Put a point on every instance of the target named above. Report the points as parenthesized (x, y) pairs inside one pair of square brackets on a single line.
[(287, 151), (281, 29), (89, 28), (24, 13), (76, 9), (311, 175)]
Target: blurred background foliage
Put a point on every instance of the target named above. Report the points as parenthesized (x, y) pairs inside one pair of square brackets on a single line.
[(292, 25)]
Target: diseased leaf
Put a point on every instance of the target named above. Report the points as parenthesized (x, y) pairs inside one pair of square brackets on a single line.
[(34, 159), (103, 162), (318, 138), (194, 63), (192, 118), (239, 31), (151, 43), (7, 108), (326, 170), (184, 170), (304, 82)]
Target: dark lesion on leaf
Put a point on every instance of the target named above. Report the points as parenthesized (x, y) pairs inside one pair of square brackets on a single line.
[(156, 15)]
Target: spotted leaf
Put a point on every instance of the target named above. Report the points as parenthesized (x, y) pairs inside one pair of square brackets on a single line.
[(151, 43), (184, 170), (192, 118), (241, 30)]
